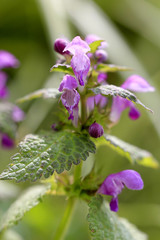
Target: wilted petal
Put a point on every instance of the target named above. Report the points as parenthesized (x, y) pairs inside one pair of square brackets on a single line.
[(7, 142), (80, 64), (17, 114), (77, 44), (138, 84), (114, 184), (68, 82), (7, 60)]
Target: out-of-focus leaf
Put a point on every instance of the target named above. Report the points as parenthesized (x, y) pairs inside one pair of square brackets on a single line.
[(112, 90), (46, 153), (104, 224), (11, 235), (111, 68), (29, 199), (41, 93), (94, 45), (133, 153), (7, 125), (8, 190), (62, 68)]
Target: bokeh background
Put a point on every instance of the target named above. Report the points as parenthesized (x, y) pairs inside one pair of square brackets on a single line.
[(131, 28)]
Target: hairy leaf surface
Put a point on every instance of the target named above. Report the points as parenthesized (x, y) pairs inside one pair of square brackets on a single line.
[(133, 153), (29, 199), (111, 68), (112, 90), (41, 93), (105, 225), (62, 68), (43, 154)]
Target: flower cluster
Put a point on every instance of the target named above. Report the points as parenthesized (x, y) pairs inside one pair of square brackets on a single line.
[(7, 60), (84, 64)]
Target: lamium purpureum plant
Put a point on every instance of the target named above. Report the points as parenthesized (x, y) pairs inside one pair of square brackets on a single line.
[(86, 107)]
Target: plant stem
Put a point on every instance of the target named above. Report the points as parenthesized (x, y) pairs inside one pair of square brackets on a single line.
[(83, 109), (65, 222)]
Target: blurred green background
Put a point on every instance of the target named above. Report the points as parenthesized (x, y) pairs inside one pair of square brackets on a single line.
[(131, 28)]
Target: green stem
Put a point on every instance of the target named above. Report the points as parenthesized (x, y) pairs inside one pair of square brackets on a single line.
[(83, 109), (65, 222)]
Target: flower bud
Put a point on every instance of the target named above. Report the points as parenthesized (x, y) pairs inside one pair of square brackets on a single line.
[(59, 45), (96, 130), (101, 55), (6, 141)]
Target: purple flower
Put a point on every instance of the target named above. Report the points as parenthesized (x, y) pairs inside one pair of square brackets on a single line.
[(96, 130), (114, 184), (17, 114), (133, 83), (77, 44), (102, 77), (80, 62), (6, 141), (7, 60), (70, 97), (98, 100), (59, 46), (136, 83), (3, 88), (101, 55)]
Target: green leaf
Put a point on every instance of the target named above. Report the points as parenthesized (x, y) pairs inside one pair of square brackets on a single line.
[(105, 225), (46, 153), (41, 93), (112, 90), (134, 154), (94, 45), (29, 199), (111, 68), (62, 68), (11, 235), (7, 125)]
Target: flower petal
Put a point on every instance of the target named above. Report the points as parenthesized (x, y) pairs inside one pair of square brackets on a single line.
[(131, 179), (17, 114), (138, 84), (77, 44), (80, 64), (114, 204), (70, 99), (119, 104), (6, 141), (68, 82), (7, 60), (134, 114)]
